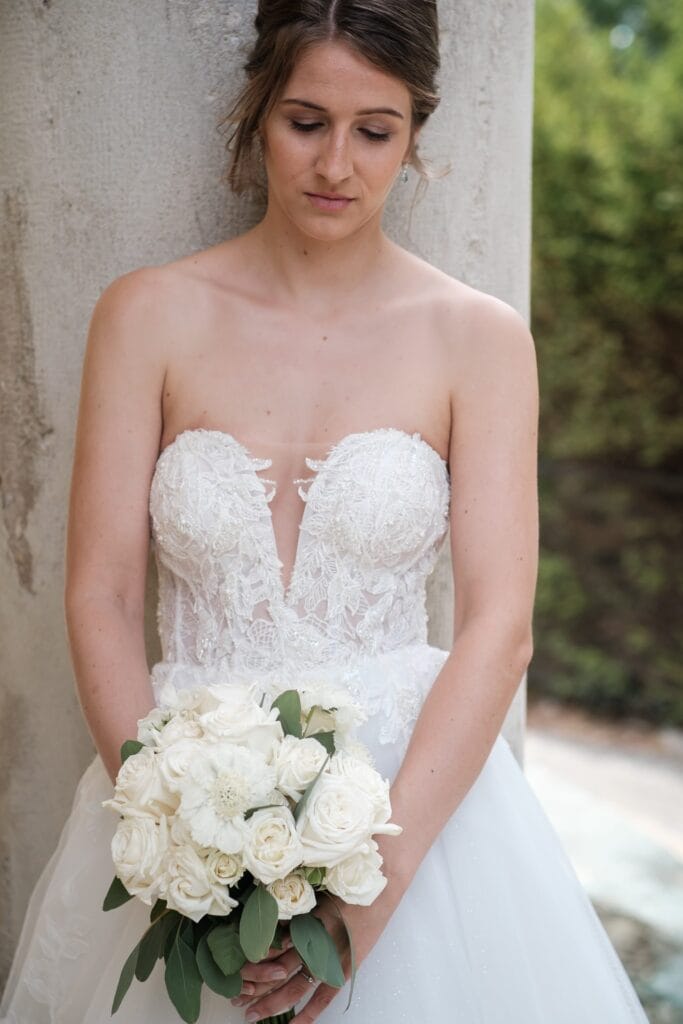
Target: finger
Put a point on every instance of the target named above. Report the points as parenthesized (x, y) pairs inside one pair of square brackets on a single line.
[(273, 970), (256, 989), (322, 997), (286, 944), (280, 1000)]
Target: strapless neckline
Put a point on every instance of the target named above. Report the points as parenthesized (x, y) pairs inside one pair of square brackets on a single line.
[(321, 466), (326, 456)]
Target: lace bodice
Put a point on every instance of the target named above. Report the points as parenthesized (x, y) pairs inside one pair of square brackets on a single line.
[(375, 516)]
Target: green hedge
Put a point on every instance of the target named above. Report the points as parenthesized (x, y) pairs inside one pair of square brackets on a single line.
[(607, 316)]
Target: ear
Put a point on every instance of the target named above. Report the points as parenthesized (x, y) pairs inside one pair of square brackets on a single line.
[(412, 145)]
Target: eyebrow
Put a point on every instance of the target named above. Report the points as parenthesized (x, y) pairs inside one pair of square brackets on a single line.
[(373, 110)]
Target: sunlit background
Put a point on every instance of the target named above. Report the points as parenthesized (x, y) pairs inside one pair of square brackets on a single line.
[(605, 687)]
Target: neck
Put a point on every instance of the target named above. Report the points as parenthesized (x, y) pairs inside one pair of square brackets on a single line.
[(314, 274)]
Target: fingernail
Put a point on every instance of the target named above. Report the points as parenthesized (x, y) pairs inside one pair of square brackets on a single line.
[(247, 989), (252, 1015), (279, 972)]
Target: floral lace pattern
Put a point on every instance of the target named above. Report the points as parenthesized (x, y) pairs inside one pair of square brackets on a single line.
[(375, 517)]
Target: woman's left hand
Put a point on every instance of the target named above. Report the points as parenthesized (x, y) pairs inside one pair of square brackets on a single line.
[(365, 924)]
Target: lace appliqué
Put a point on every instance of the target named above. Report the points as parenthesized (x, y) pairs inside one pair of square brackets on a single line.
[(375, 515)]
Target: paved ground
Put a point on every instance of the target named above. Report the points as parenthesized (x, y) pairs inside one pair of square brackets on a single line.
[(615, 795)]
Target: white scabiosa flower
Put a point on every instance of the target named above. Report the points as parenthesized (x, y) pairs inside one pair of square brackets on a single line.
[(221, 783)]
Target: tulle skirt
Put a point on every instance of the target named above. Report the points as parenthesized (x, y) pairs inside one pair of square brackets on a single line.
[(495, 927)]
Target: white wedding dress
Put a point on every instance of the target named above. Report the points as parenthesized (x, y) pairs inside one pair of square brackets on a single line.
[(495, 927)]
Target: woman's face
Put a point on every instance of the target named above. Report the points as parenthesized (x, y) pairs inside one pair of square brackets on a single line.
[(320, 138)]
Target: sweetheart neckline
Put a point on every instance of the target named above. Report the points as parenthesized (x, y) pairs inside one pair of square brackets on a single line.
[(321, 464), (327, 455)]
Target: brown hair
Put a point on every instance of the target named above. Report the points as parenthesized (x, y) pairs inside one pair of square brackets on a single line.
[(401, 37)]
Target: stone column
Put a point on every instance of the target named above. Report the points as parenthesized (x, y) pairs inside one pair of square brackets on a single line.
[(110, 159)]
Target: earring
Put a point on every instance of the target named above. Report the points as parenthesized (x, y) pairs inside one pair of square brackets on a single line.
[(404, 173)]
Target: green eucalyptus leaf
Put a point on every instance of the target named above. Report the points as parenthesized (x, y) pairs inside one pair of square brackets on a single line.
[(317, 949), (258, 923), (225, 948), (335, 904), (151, 946), (157, 910), (117, 895), (288, 704), (182, 977), (229, 985), (125, 978), (130, 747)]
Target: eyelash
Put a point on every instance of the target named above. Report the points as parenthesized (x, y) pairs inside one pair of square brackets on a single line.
[(310, 126)]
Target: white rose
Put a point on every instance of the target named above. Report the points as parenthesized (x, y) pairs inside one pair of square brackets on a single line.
[(175, 760), (297, 763), (151, 725), (335, 820), (179, 700), (222, 782), (294, 895), (370, 782), (358, 878), (179, 832), (140, 788), (272, 847), (224, 868), (138, 848), (212, 695), (236, 716), (183, 725), (190, 890)]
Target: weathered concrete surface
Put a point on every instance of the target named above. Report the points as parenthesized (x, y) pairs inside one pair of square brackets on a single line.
[(110, 159)]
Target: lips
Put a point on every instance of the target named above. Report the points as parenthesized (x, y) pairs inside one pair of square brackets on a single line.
[(328, 202), (328, 195)]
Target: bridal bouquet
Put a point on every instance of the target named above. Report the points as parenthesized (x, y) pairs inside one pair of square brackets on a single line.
[(234, 814)]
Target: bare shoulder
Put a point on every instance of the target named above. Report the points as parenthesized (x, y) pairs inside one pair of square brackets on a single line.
[(158, 305), (476, 333)]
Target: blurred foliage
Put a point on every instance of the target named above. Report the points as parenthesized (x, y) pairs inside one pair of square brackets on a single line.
[(607, 316)]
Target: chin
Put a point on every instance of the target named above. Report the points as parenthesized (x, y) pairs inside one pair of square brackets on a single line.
[(324, 232)]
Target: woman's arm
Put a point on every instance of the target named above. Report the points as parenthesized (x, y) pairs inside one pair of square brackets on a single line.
[(494, 546), (107, 545)]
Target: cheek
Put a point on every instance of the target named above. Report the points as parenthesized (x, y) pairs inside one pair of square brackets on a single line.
[(289, 151)]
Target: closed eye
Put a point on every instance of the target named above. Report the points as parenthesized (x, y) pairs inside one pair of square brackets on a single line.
[(309, 126)]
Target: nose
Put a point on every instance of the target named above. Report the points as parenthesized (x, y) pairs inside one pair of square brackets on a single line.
[(334, 161)]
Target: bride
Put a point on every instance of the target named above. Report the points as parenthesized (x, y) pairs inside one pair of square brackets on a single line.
[(312, 342)]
